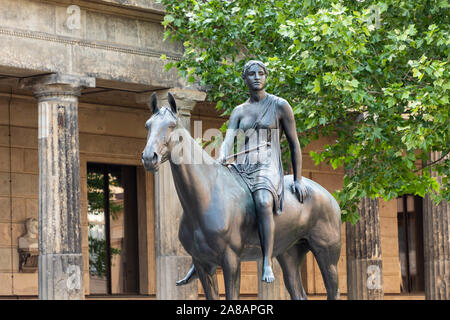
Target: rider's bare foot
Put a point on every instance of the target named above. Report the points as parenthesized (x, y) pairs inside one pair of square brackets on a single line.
[(268, 274)]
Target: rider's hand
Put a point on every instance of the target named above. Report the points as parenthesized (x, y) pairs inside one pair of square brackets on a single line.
[(299, 188), (221, 159)]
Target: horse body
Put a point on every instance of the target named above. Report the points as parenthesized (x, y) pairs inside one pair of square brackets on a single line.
[(219, 228)]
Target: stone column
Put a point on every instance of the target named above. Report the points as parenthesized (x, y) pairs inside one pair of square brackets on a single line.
[(363, 246), (436, 244), (60, 256), (172, 261)]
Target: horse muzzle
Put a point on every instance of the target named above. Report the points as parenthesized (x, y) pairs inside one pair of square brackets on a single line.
[(151, 161)]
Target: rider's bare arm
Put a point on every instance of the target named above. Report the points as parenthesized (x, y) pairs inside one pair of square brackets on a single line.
[(228, 142), (287, 120)]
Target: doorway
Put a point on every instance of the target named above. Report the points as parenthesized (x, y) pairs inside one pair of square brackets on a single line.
[(112, 229), (410, 243)]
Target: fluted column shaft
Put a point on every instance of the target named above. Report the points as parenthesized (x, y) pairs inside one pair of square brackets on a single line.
[(363, 246), (60, 256), (436, 244)]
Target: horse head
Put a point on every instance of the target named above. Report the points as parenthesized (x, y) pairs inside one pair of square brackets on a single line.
[(160, 127)]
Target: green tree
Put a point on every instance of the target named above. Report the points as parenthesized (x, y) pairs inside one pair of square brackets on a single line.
[(374, 74)]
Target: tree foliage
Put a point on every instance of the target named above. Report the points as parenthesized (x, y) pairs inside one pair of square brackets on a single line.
[(375, 75)]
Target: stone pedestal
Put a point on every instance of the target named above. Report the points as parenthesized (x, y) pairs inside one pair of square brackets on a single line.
[(363, 246), (60, 257), (436, 245), (172, 261)]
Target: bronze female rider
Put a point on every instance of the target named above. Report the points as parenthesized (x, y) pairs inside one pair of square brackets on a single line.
[(262, 117)]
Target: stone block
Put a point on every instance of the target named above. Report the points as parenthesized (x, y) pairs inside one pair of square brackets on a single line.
[(388, 227), (249, 284), (17, 160), (391, 284), (6, 281), (389, 247), (19, 209), (32, 16), (308, 163), (108, 145), (25, 185), (26, 283), (133, 68), (24, 113), (34, 54), (4, 136), (113, 29), (31, 161), (4, 184), (4, 112), (5, 235), (92, 120), (391, 267), (318, 145), (114, 123), (24, 137), (5, 207), (151, 35), (18, 230), (331, 182), (4, 159), (32, 208), (387, 208)]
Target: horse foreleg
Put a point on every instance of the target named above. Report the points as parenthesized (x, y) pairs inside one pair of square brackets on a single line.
[(191, 275), (291, 262), (208, 278), (232, 275)]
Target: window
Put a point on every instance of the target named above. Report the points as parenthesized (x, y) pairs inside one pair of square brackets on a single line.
[(112, 233)]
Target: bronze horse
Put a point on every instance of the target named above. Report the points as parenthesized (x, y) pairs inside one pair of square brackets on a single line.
[(218, 226)]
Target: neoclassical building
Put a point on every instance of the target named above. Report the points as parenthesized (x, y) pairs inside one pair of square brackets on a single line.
[(75, 80)]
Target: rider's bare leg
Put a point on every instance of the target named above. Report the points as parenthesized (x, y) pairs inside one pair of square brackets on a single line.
[(264, 211)]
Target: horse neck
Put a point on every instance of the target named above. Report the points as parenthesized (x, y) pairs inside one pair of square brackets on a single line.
[(194, 174)]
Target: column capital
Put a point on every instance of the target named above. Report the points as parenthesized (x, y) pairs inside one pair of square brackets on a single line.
[(58, 84), (186, 98)]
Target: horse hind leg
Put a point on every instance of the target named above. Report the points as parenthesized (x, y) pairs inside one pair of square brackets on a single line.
[(208, 279), (291, 262), (327, 259)]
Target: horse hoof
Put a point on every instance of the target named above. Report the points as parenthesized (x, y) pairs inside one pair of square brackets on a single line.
[(181, 282)]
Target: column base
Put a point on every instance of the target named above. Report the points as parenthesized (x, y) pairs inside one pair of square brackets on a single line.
[(60, 277)]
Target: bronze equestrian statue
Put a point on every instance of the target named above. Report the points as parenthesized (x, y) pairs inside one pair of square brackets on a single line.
[(229, 210)]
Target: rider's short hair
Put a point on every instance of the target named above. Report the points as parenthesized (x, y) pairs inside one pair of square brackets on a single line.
[(251, 63)]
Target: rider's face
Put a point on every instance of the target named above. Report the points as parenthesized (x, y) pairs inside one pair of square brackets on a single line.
[(255, 78)]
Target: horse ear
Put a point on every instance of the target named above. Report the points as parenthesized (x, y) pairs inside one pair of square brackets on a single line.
[(172, 102), (154, 103)]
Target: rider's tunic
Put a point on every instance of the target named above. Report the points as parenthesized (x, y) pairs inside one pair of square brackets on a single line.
[(262, 168)]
